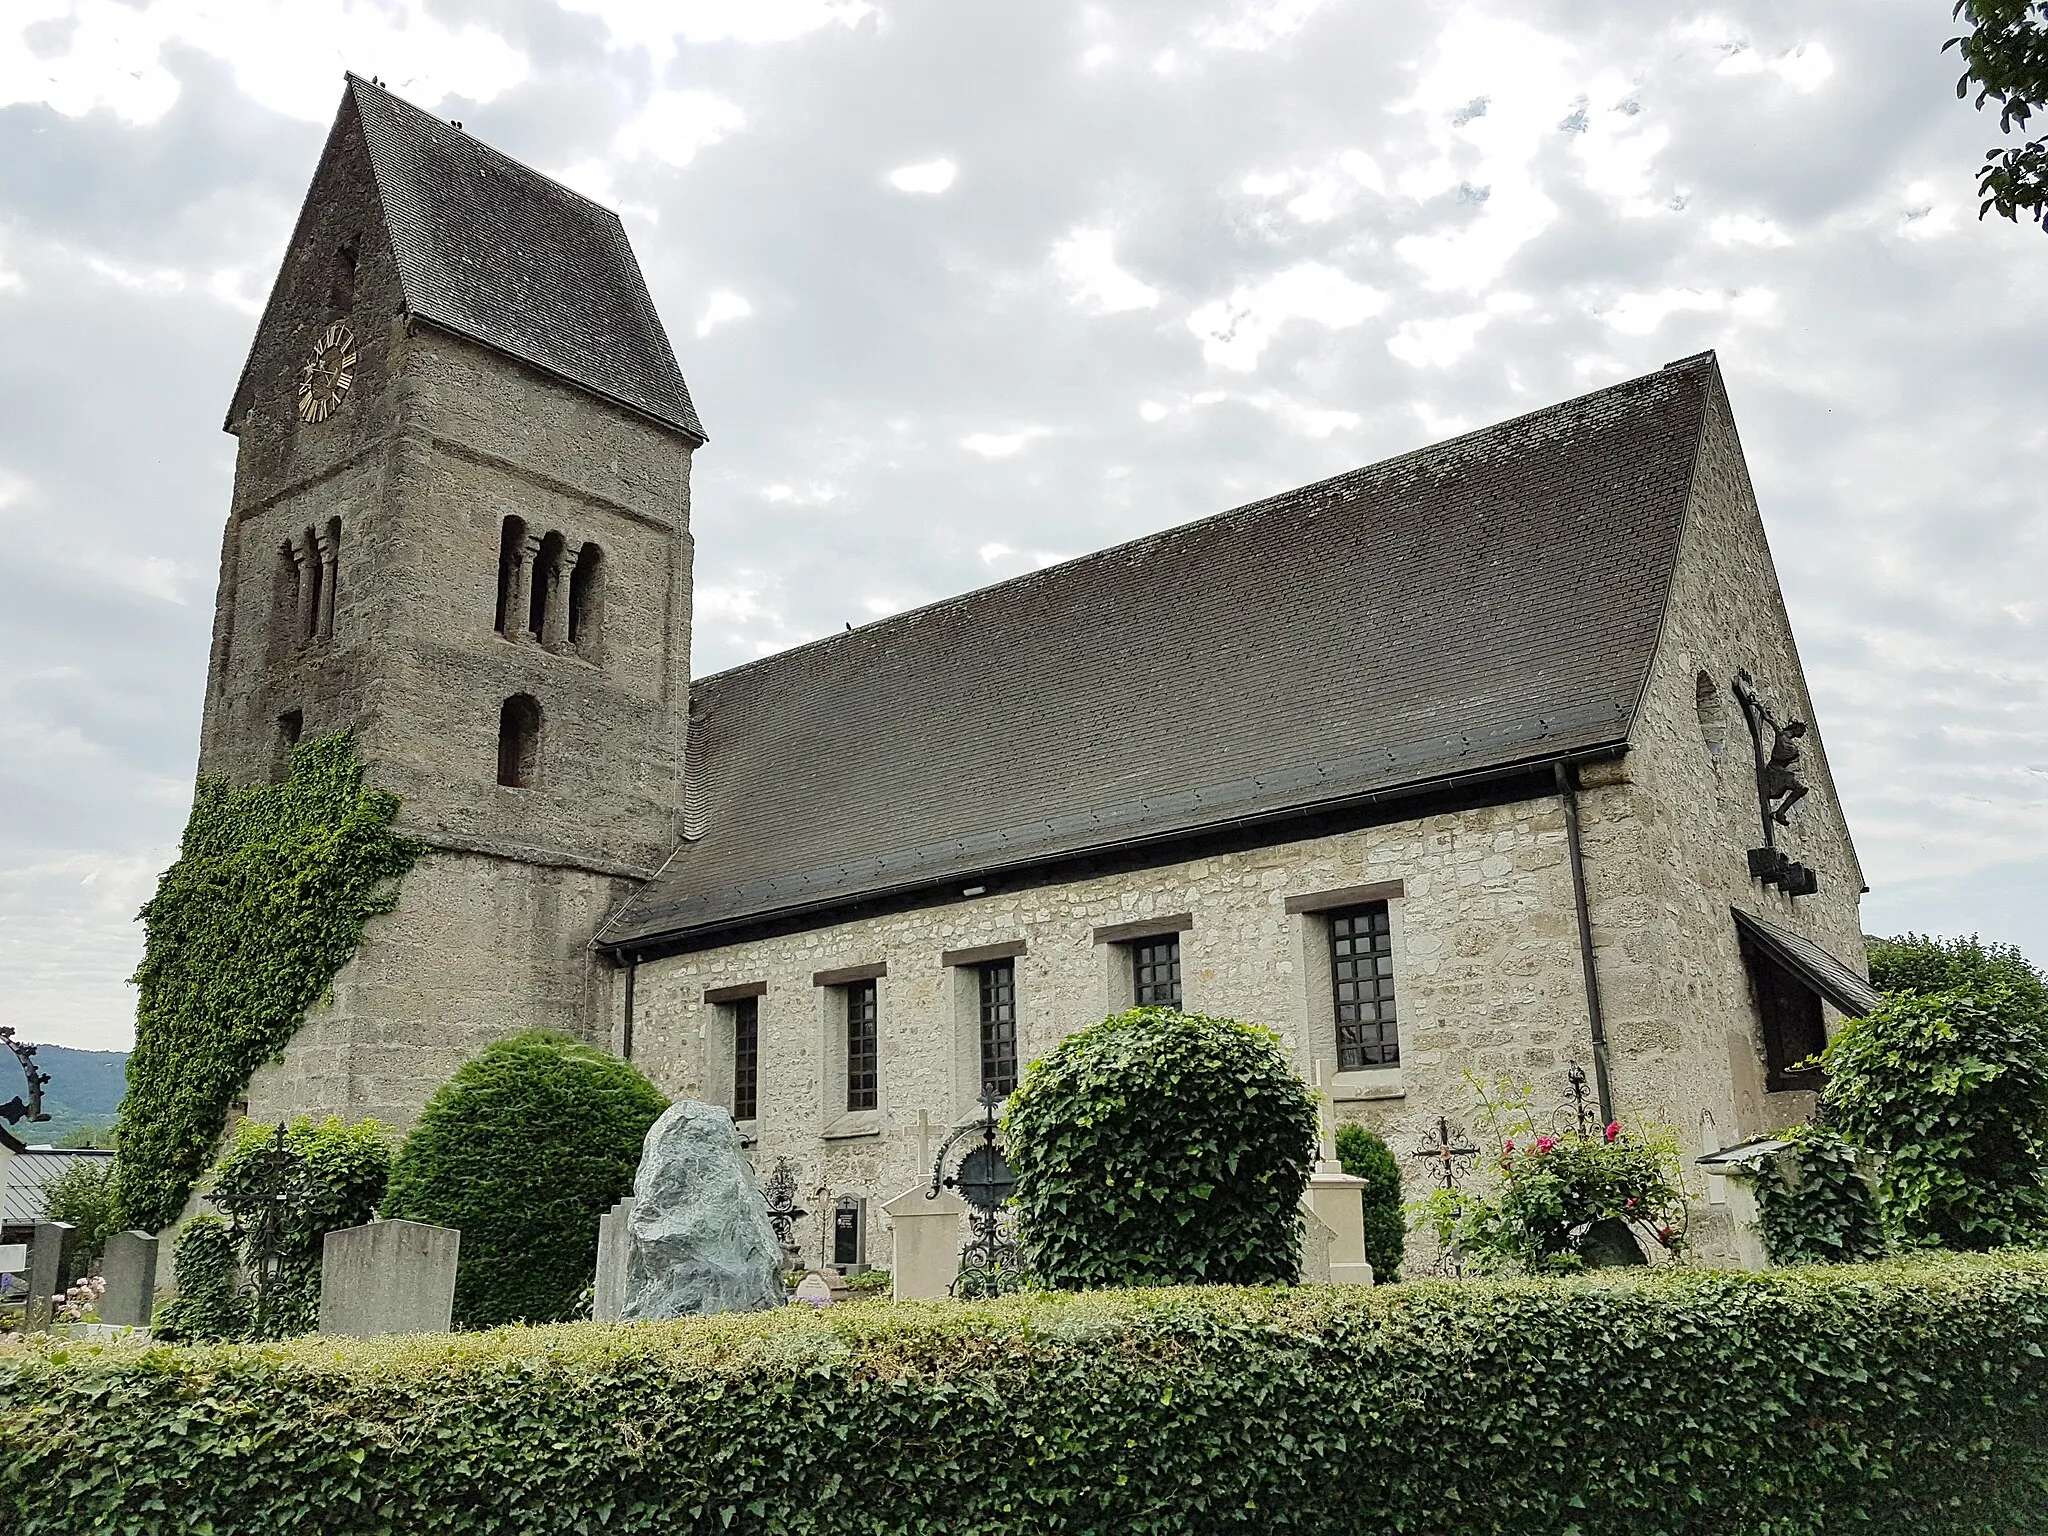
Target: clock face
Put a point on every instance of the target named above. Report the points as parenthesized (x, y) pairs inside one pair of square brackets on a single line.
[(324, 382)]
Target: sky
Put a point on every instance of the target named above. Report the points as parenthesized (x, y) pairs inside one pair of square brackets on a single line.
[(962, 288)]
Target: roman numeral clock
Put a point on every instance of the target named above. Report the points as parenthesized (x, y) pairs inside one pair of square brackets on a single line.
[(324, 381)]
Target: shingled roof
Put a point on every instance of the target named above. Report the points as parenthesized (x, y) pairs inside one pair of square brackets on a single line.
[(492, 250), (1489, 602)]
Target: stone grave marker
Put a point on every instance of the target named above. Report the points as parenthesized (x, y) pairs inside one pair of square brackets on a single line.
[(388, 1277), (129, 1269), (614, 1242)]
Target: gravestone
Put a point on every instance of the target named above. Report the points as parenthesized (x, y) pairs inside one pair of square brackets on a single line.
[(814, 1290), (850, 1233), (927, 1239), (701, 1238), (388, 1277), (129, 1268), (49, 1253), (614, 1242)]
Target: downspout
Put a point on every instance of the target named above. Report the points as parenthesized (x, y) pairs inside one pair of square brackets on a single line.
[(626, 1041), (1570, 797)]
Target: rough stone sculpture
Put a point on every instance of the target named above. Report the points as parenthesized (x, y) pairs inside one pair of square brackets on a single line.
[(701, 1241)]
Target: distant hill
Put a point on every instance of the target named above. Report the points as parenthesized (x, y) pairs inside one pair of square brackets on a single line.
[(84, 1092)]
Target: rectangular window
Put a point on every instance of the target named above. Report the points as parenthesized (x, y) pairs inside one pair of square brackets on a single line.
[(746, 1058), (1793, 1028), (1362, 987), (863, 1046), (998, 986), (1155, 972)]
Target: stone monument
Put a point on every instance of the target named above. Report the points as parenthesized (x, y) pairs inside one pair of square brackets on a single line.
[(614, 1243), (701, 1239), (130, 1270), (388, 1277)]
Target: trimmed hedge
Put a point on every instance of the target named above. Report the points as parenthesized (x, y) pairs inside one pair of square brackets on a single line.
[(1895, 1398)]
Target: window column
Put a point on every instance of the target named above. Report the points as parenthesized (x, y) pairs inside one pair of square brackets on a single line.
[(519, 595), (329, 539), (555, 624)]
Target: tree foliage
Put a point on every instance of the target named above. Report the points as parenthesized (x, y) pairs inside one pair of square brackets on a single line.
[(83, 1195), (1364, 1156), (522, 1150), (1162, 1148), (1951, 1087), (2005, 59), (265, 904), (1906, 1399), (1918, 962)]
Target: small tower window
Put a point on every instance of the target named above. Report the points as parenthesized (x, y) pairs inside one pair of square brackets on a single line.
[(519, 725), (1713, 712), (586, 599), (341, 286), (547, 566), (291, 725), (511, 567)]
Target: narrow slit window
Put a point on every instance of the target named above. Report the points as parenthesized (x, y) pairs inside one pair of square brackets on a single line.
[(1362, 987), (586, 599), (863, 1046), (998, 987), (746, 1058), (291, 725), (546, 566), (511, 565), (519, 726), (1155, 972)]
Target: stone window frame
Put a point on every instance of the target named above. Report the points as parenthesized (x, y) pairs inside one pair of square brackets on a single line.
[(1310, 913), (834, 994), (1120, 942), (551, 590), (720, 1053), (969, 966)]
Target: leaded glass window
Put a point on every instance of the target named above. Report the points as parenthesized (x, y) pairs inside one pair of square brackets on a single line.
[(998, 1027), (1362, 982), (746, 1057), (863, 1019), (1155, 972)]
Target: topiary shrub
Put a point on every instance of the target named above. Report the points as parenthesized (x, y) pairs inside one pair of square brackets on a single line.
[(1364, 1156), (522, 1150), (1162, 1148), (1951, 1087)]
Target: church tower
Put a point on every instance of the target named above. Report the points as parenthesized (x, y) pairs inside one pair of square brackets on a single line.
[(460, 529)]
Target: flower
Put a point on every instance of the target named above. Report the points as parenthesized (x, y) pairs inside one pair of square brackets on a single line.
[(1613, 1130), (1545, 1143), (1508, 1145)]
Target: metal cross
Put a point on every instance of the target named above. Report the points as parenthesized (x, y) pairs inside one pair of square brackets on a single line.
[(267, 1191), (1448, 1150), (783, 1211)]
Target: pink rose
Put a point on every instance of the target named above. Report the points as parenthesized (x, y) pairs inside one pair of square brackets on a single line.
[(1613, 1129)]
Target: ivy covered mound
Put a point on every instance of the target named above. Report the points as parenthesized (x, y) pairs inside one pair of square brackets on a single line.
[(264, 906), (521, 1151), (1162, 1148), (1907, 1399)]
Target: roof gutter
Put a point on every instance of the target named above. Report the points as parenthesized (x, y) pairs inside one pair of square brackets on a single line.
[(818, 913)]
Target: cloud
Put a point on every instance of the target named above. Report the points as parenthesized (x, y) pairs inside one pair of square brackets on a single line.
[(660, 26), (674, 125), (1086, 262), (1236, 330), (1747, 229), (1003, 445), (1639, 314), (1256, 25), (931, 176), (81, 55), (723, 305)]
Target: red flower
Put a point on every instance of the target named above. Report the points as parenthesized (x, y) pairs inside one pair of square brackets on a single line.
[(1613, 1130), (1545, 1143)]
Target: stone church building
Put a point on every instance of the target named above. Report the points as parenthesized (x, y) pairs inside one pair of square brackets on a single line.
[(1493, 758)]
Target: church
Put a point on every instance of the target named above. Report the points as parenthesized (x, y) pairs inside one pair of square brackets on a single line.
[(1493, 759)]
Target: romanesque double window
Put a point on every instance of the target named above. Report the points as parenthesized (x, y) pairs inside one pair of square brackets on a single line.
[(550, 590), (1362, 988), (308, 567)]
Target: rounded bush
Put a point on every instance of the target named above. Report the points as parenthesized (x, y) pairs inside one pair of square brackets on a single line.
[(1363, 1155), (1162, 1148), (522, 1150)]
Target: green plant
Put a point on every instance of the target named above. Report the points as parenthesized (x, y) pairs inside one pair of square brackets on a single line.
[(522, 1150), (209, 1306), (1815, 1204), (1364, 1156), (83, 1195), (2005, 56), (1161, 1147), (1918, 962), (1545, 1199), (1951, 1087), (1906, 1399), (266, 902)]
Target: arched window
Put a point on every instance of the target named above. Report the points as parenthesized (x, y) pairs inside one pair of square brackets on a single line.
[(519, 725), (546, 568), (586, 600), (511, 564)]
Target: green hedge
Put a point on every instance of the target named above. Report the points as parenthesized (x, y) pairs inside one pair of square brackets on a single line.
[(1894, 1398)]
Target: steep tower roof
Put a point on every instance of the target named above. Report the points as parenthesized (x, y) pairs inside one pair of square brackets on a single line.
[(1480, 606), (493, 251)]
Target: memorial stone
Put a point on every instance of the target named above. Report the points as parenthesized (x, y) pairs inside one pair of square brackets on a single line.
[(388, 1277), (926, 1230), (701, 1238), (614, 1243), (129, 1268), (49, 1254)]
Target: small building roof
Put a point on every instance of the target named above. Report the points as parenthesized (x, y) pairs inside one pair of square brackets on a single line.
[(1821, 971), (1488, 602), (30, 1172)]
